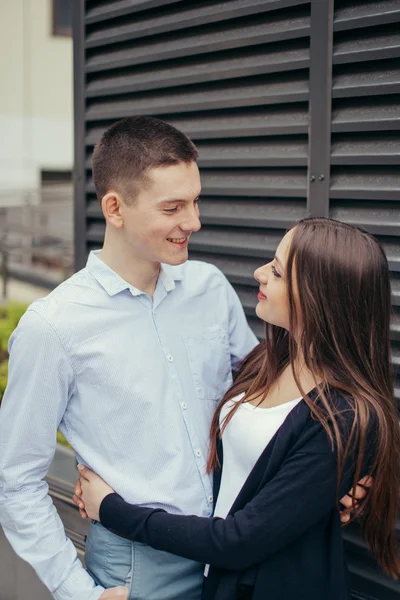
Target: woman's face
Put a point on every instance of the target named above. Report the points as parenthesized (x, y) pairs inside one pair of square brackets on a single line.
[(273, 304)]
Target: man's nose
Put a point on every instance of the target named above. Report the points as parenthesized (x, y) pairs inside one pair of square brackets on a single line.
[(191, 222)]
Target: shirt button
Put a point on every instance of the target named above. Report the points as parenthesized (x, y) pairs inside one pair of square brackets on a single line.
[(211, 499), (198, 453), (184, 405), (169, 358)]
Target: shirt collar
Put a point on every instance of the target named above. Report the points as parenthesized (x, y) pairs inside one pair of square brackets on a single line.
[(114, 283)]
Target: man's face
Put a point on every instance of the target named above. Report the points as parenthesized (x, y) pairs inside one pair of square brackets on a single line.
[(164, 214)]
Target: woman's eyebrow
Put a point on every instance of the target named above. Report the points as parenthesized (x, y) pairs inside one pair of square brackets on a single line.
[(278, 261)]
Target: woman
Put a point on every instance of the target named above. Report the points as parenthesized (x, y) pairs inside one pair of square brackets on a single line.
[(310, 413)]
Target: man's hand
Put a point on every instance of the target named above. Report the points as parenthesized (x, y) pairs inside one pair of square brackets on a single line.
[(90, 490), (354, 498), (116, 593)]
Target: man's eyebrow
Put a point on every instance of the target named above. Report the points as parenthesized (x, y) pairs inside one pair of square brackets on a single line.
[(173, 200)]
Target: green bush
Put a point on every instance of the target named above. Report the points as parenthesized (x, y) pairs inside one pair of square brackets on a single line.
[(61, 439), (10, 314)]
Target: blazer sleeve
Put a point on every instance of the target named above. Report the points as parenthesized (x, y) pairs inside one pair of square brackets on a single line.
[(303, 491)]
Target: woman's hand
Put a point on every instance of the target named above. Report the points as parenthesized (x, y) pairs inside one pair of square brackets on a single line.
[(353, 498), (90, 493)]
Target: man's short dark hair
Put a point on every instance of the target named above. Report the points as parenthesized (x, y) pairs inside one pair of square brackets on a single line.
[(130, 148)]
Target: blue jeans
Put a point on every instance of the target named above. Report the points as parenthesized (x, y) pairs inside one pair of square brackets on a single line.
[(149, 574)]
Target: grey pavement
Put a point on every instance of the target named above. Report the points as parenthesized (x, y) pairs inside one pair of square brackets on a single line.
[(18, 291)]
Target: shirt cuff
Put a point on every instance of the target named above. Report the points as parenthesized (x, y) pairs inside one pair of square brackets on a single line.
[(78, 586)]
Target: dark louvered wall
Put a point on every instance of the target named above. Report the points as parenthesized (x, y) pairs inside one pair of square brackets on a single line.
[(251, 82), (365, 157), (234, 77), (365, 179)]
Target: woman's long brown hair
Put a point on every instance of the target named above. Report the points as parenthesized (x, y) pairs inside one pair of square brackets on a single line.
[(343, 310)]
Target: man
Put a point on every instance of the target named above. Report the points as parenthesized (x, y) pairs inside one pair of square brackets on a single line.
[(128, 358)]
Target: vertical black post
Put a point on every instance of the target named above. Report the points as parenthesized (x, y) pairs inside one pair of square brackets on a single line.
[(321, 50), (79, 134)]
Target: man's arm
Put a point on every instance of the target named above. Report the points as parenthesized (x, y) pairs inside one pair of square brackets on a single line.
[(40, 382)]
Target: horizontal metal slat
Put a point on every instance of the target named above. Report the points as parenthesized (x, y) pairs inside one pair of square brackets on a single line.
[(275, 121), (395, 283), (368, 79), (292, 119), (188, 44), (365, 184), (239, 269), (280, 152), (95, 233), (251, 213), (257, 327), (374, 150), (371, 583), (396, 357), (112, 10), (377, 114), (373, 47), (377, 218), (395, 327), (248, 298), (294, 88), (179, 18), (366, 14), (205, 71), (291, 183), (391, 245), (241, 242)]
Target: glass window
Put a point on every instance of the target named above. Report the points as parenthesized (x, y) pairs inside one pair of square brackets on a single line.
[(62, 17)]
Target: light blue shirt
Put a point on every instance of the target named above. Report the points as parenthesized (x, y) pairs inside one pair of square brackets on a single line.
[(132, 384)]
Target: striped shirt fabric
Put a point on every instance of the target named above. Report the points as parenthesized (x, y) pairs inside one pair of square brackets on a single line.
[(132, 382)]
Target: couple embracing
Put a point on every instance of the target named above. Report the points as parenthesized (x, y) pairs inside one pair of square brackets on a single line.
[(198, 484)]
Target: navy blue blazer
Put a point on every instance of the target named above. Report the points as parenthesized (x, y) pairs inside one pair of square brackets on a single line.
[(283, 532)]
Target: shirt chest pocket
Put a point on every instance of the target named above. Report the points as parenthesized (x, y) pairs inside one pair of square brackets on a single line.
[(210, 363)]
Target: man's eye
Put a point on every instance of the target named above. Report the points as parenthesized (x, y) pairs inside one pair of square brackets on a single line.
[(170, 211)]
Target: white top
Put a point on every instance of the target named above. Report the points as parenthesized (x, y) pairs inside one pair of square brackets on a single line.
[(247, 434)]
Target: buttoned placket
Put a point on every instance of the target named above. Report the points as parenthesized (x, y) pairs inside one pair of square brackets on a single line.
[(160, 293)]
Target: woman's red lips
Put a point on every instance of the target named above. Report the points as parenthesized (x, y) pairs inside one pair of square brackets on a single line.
[(261, 296)]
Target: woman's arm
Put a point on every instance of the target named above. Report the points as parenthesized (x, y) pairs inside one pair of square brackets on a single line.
[(301, 494)]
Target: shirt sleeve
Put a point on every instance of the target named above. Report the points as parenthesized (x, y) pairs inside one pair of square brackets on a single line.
[(40, 381), (302, 493), (241, 338)]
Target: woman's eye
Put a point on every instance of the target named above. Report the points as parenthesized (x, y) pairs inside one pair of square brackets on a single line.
[(275, 272)]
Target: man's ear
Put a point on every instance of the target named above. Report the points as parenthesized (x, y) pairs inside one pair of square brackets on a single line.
[(111, 206)]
